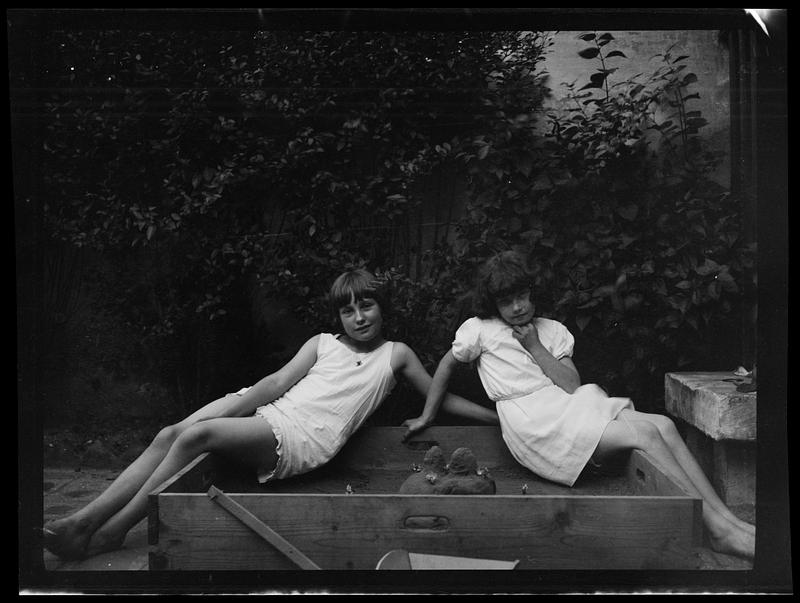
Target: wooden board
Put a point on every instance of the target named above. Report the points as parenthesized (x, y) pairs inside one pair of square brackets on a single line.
[(642, 520)]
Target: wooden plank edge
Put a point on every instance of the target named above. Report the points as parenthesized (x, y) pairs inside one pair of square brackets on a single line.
[(152, 497), (643, 461), (640, 460)]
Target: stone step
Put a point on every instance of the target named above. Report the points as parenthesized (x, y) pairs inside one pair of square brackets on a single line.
[(709, 401), (718, 424)]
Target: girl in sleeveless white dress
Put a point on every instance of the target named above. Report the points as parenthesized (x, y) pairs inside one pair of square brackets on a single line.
[(314, 419), (551, 423), (289, 422)]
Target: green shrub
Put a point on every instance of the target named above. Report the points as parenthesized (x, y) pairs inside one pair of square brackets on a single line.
[(203, 165), (638, 250)]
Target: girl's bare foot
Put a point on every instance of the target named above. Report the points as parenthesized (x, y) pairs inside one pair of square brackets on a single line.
[(735, 541), (103, 541), (66, 538), (737, 521), (747, 527)]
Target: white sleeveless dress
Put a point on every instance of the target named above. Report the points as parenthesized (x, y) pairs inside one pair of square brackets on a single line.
[(317, 415), (549, 431)]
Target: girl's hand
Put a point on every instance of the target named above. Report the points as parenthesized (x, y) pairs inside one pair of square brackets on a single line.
[(527, 335), (413, 426)]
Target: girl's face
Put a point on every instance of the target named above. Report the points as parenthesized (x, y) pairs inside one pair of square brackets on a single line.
[(362, 319), (516, 308)]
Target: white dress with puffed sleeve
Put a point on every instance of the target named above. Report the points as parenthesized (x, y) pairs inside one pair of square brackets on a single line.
[(549, 431)]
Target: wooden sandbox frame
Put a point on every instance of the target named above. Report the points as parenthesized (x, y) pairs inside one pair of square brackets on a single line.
[(638, 518)]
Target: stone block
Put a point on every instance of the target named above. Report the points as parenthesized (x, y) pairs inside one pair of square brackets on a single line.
[(710, 402), (701, 446), (734, 472), (718, 425)]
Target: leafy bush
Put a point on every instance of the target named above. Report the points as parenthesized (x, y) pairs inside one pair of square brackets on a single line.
[(638, 250), (204, 165)]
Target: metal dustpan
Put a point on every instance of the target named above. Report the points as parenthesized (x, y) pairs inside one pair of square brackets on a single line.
[(400, 559)]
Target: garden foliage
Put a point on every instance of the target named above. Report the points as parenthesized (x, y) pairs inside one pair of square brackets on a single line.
[(204, 166)]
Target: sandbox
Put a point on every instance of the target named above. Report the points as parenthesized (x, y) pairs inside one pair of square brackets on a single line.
[(633, 516)]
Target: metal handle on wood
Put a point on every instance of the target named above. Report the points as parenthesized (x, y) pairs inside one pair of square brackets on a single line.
[(260, 528), (426, 523)]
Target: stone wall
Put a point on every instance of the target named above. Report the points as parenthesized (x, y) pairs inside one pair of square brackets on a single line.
[(708, 59)]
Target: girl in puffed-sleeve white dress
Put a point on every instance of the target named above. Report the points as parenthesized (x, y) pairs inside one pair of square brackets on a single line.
[(551, 423), (551, 432)]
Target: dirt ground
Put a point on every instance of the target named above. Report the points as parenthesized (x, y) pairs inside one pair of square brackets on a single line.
[(92, 444)]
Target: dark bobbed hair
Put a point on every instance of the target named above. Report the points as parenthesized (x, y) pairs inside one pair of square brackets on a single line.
[(357, 284), (504, 273)]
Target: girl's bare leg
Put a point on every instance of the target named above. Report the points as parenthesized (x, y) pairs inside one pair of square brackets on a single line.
[(68, 537), (627, 432), (689, 464), (246, 440)]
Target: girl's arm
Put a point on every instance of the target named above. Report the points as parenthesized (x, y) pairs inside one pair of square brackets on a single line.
[(561, 372), (435, 391), (273, 386)]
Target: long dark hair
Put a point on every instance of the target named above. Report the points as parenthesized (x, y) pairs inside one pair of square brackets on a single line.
[(502, 274)]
